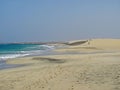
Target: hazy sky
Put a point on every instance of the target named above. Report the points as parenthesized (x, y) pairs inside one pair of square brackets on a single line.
[(58, 20)]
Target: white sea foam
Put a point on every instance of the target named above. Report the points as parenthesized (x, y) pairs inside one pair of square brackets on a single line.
[(48, 46), (4, 57), (36, 51)]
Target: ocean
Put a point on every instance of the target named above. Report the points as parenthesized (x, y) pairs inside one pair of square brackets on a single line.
[(8, 51)]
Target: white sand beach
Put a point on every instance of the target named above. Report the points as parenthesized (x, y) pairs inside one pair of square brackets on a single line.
[(93, 65)]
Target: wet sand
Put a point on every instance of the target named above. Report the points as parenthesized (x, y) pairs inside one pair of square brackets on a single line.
[(98, 68)]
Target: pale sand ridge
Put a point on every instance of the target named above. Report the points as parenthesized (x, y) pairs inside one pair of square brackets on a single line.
[(93, 45)]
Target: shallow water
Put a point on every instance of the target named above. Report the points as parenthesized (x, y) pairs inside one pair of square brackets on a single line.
[(4, 65), (8, 51)]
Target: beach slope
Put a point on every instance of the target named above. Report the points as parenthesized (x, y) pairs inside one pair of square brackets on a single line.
[(92, 65)]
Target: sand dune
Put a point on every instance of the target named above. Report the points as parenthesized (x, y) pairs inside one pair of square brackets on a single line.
[(101, 43), (92, 45), (106, 43), (88, 71), (78, 42)]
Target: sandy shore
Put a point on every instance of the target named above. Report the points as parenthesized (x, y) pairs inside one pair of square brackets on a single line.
[(97, 68)]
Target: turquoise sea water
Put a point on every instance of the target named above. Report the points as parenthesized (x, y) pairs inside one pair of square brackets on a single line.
[(19, 50)]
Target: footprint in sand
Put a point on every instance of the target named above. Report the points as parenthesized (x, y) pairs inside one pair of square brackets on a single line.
[(72, 88)]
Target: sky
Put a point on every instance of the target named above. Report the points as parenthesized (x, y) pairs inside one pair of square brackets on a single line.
[(58, 20)]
